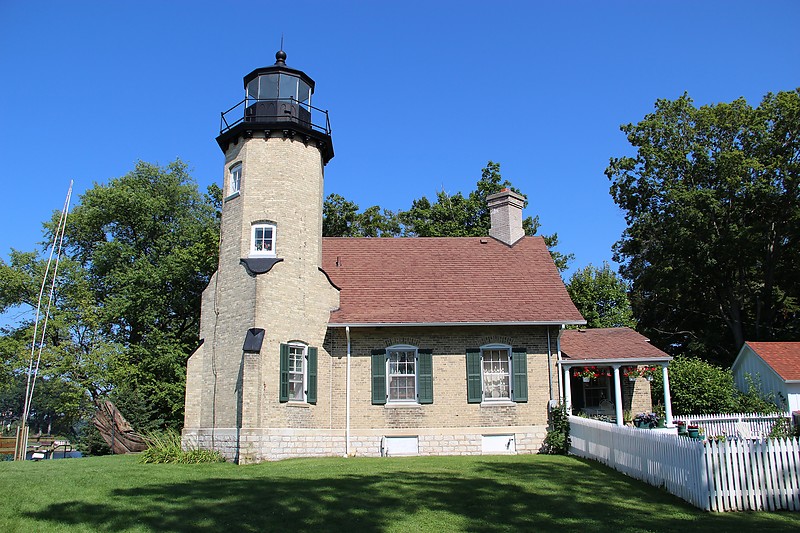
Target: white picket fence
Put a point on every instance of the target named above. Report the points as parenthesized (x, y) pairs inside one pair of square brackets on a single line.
[(729, 475), (760, 425)]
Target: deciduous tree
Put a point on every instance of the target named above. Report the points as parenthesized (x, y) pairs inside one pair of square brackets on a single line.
[(712, 203), (139, 250), (602, 297)]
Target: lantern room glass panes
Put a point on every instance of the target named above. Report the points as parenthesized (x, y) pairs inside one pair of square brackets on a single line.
[(279, 86)]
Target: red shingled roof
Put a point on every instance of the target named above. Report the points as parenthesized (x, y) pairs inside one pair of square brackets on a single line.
[(445, 280), (607, 343), (783, 357)]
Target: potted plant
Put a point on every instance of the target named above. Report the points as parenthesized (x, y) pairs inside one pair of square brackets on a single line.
[(588, 373), (661, 415), (693, 430), (627, 417), (681, 427), (648, 372), (645, 420), (631, 372)]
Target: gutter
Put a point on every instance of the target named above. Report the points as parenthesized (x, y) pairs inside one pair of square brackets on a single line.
[(624, 360), (406, 324)]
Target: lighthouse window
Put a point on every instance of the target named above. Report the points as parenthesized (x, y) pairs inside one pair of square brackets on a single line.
[(236, 179), (288, 87), (263, 240)]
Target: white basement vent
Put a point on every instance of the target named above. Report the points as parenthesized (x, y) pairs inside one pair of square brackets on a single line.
[(498, 444), (398, 446)]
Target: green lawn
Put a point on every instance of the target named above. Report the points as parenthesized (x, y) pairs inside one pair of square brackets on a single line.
[(442, 494)]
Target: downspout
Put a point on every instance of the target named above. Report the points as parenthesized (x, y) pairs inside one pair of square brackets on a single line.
[(549, 367), (561, 394), (347, 395)]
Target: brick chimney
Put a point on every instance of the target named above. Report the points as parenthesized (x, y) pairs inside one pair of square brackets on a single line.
[(505, 209)]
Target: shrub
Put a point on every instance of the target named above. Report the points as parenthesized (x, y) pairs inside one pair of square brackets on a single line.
[(557, 441), (697, 386), (165, 447), (753, 401)]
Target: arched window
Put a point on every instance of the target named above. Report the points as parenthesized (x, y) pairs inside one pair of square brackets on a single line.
[(235, 179)]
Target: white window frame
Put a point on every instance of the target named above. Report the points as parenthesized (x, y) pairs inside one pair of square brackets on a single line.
[(262, 253), (601, 384), (234, 179), (509, 375), (303, 372), (389, 374)]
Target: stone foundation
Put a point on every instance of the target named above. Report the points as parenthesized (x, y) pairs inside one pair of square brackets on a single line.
[(256, 445)]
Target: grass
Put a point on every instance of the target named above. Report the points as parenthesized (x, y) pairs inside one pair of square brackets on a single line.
[(441, 494)]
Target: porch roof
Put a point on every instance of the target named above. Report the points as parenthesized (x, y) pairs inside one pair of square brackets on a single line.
[(608, 345)]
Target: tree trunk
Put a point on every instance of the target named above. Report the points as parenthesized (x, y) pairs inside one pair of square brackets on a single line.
[(116, 431)]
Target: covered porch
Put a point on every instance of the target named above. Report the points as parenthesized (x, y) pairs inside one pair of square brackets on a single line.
[(606, 371)]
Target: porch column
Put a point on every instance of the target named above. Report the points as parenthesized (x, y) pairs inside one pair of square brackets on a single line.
[(567, 390), (667, 396), (617, 396)]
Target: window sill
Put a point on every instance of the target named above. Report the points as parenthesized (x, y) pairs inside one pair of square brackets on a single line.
[(297, 403), (498, 403), (401, 405), (232, 196)]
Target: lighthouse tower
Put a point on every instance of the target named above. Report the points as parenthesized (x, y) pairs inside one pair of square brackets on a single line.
[(255, 376)]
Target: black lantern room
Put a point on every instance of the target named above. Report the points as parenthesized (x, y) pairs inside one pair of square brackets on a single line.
[(277, 101)]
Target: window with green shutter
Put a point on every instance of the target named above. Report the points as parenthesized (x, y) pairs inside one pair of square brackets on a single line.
[(378, 377), (402, 374), (474, 388), (298, 373), (283, 389), (519, 365), (425, 376), (311, 371), (497, 373)]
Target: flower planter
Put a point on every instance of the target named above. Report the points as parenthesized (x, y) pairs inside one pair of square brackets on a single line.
[(694, 433), (661, 423)]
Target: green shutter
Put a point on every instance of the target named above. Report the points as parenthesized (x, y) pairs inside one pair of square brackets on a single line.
[(425, 376), (474, 387), (519, 364), (311, 371), (378, 377), (284, 377)]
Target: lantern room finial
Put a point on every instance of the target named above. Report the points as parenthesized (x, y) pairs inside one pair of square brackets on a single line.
[(280, 58)]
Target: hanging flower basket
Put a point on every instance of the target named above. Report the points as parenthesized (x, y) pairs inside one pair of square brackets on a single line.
[(648, 372), (631, 372), (589, 373)]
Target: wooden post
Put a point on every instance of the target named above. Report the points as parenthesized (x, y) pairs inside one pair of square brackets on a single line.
[(21, 447)]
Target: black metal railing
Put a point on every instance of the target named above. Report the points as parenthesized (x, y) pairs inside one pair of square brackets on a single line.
[(275, 111)]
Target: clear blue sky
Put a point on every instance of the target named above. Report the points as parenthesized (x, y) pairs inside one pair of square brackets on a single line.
[(421, 94)]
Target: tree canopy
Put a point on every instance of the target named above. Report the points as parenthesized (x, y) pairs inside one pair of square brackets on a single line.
[(602, 297), (450, 215), (712, 204), (138, 253)]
